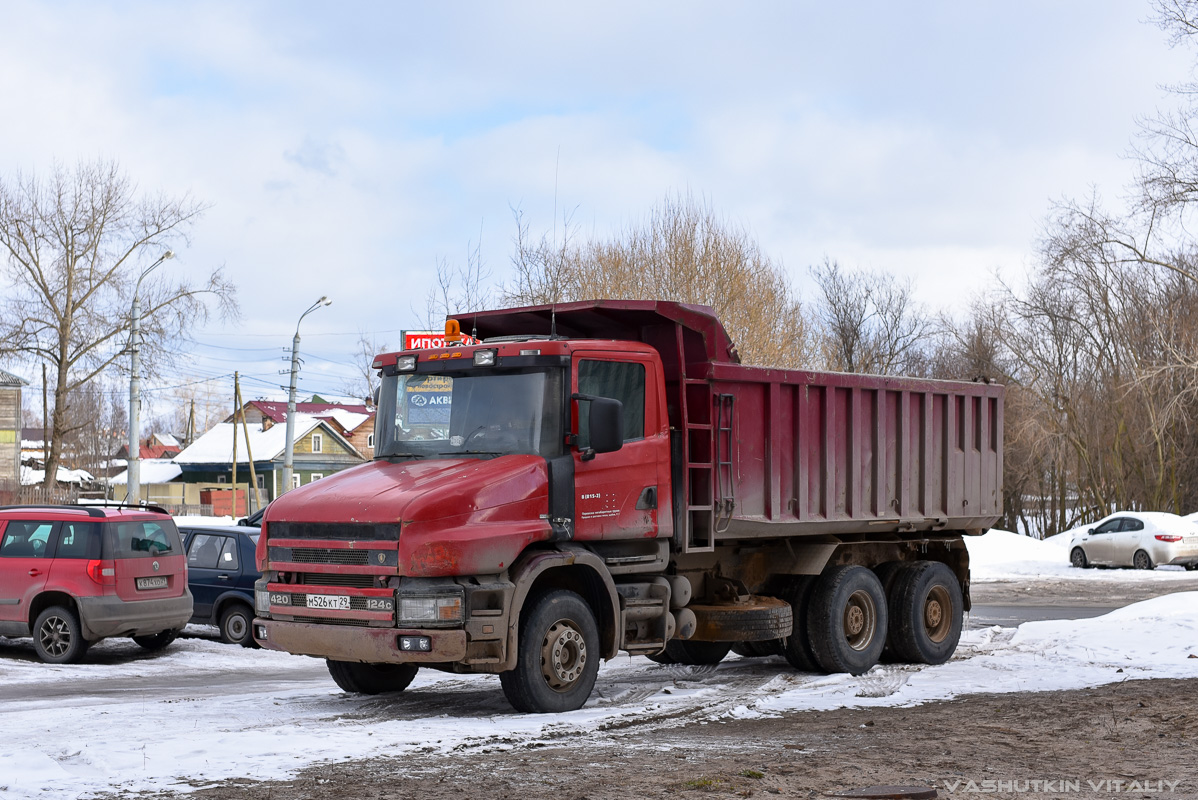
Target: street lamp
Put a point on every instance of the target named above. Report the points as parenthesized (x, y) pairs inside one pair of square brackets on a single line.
[(133, 487), (288, 457)]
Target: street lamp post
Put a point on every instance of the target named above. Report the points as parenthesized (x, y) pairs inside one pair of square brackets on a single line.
[(133, 493), (290, 453)]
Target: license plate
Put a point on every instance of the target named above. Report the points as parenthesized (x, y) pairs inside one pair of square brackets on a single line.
[(339, 601), (152, 583)]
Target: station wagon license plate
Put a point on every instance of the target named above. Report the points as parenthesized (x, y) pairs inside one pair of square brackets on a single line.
[(152, 583), (338, 601)]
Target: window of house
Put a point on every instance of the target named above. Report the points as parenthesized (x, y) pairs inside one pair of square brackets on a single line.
[(370, 440), (317, 443), (295, 481), (220, 479), (261, 481), (315, 476)]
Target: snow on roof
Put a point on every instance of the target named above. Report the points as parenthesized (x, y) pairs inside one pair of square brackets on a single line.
[(349, 420), (32, 477), (277, 411), (167, 440), (153, 470), (216, 446)]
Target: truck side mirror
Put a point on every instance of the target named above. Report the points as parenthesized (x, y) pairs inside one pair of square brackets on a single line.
[(605, 425)]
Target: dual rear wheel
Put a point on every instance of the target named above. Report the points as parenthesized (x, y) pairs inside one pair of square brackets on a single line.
[(849, 617)]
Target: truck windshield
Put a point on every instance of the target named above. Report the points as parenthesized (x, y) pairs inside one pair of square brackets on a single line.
[(474, 413)]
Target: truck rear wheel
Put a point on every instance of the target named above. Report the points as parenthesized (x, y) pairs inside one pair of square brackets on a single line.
[(847, 620), (796, 648), (358, 678), (558, 655), (926, 613)]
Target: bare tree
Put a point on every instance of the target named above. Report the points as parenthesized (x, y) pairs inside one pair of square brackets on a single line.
[(458, 286), (870, 322), (367, 380), (75, 242), (684, 252)]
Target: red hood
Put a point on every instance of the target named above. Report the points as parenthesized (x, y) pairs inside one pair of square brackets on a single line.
[(459, 517), (381, 492)]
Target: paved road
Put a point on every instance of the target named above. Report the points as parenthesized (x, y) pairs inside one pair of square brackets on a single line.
[(1010, 615)]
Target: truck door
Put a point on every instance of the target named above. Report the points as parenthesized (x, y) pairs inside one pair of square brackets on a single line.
[(617, 495)]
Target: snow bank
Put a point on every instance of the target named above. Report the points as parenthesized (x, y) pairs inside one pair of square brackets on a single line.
[(1002, 556)]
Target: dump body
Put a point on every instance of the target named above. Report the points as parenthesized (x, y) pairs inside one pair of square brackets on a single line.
[(763, 452)]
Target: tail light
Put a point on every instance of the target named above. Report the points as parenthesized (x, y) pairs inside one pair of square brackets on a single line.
[(260, 549), (102, 572), (1168, 537)]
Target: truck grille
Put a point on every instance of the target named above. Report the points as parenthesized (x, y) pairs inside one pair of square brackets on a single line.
[(336, 579), (316, 555), (336, 531)]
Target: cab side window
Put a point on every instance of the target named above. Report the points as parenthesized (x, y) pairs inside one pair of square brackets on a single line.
[(619, 380)]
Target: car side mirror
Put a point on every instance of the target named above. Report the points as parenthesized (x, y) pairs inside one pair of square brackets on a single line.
[(1090, 531)]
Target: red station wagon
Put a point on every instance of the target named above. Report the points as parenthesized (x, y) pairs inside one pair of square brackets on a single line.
[(72, 575)]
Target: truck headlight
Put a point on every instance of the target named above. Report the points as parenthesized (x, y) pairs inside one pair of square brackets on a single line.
[(441, 609), (261, 601)]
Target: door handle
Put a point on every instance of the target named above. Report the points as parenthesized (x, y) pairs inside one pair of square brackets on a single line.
[(33, 573), (222, 577)]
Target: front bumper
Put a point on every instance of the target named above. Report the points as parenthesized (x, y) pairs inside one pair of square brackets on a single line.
[(356, 643), (107, 616)]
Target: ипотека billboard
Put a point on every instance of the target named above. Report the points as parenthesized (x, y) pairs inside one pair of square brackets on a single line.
[(428, 340)]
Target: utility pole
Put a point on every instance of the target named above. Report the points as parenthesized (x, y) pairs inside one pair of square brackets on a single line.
[(133, 495), (289, 455)]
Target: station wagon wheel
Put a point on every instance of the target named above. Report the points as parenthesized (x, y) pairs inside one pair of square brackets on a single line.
[(558, 655), (1141, 560), (57, 636)]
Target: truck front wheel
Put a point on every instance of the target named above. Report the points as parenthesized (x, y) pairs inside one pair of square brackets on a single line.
[(358, 678), (557, 657)]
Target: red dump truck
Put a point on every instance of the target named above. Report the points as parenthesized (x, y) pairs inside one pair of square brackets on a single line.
[(603, 476)]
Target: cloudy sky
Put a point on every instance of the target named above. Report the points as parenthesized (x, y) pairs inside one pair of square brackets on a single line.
[(345, 148)]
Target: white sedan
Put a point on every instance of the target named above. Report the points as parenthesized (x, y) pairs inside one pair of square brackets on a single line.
[(1140, 539)]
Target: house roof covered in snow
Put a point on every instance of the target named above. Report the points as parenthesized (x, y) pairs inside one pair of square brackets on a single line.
[(153, 470), (216, 445)]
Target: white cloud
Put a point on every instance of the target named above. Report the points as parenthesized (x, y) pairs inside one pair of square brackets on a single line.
[(344, 151)]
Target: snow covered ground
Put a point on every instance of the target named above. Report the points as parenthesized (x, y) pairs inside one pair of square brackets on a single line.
[(78, 737), (126, 720)]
